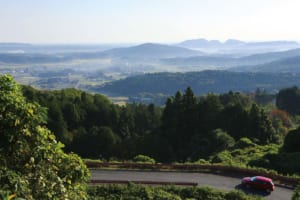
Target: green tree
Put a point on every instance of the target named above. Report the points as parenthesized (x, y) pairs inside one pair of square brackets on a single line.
[(291, 141), (106, 141), (289, 100), (72, 115), (263, 98), (260, 126), (236, 98), (179, 122), (221, 140), (209, 108), (33, 165), (57, 124), (234, 119), (189, 116)]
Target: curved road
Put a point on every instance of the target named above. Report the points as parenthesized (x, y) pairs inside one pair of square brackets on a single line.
[(216, 181)]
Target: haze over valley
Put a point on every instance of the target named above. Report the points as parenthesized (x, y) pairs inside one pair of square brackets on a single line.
[(95, 67), (95, 46)]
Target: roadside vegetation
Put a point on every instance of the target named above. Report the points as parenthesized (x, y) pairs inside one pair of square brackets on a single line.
[(132, 191)]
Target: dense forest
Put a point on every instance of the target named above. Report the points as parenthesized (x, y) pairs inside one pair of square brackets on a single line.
[(203, 82), (186, 128)]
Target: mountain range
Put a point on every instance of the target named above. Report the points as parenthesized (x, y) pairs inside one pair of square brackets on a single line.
[(143, 51), (250, 63), (233, 46), (152, 68)]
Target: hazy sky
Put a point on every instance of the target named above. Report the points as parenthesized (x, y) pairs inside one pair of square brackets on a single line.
[(119, 21)]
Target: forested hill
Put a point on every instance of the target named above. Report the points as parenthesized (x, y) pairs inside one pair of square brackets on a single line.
[(290, 64), (202, 82), (151, 50)]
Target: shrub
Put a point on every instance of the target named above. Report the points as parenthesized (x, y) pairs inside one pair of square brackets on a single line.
[(224, 157), (143, 159), (201, 161), (161, 194), (238, 195), (33, 164), (136, 192), (291, 142), (296, 194), (244, 143)]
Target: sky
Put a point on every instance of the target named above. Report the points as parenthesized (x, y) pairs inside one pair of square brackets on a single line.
[(136, 21)]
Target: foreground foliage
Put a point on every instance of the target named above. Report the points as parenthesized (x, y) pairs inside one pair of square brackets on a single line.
[(244, 152), (132, 191), (296, 194), (273, 157), (32, 163)]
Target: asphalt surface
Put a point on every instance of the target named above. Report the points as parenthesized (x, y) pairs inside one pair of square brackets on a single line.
[(203, 179)]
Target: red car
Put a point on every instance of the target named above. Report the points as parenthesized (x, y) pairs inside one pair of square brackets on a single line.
[(259, 182)]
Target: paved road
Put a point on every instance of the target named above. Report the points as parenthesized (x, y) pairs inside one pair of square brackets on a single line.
[(216, 181)]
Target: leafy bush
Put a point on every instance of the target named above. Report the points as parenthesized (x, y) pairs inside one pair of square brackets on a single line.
[(161, 194), (244, 143), (222, 140), (286, 163), (33, 164), (224, 157), (143, 159), (238, 195), (201, 161), (296, 194), (291, 142), (132, 191), (249, 155), (7, 196)]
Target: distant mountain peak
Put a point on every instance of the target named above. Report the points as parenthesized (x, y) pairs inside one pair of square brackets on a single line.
[(238, 47), (234, 42), (199, 42), (152, 45), (204, 43), (153, 50), (148, 44)]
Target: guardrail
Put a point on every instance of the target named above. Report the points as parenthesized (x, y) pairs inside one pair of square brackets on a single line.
[(143, 182), (225, 170)]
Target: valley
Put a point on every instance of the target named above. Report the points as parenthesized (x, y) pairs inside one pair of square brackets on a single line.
[(150, 71)]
